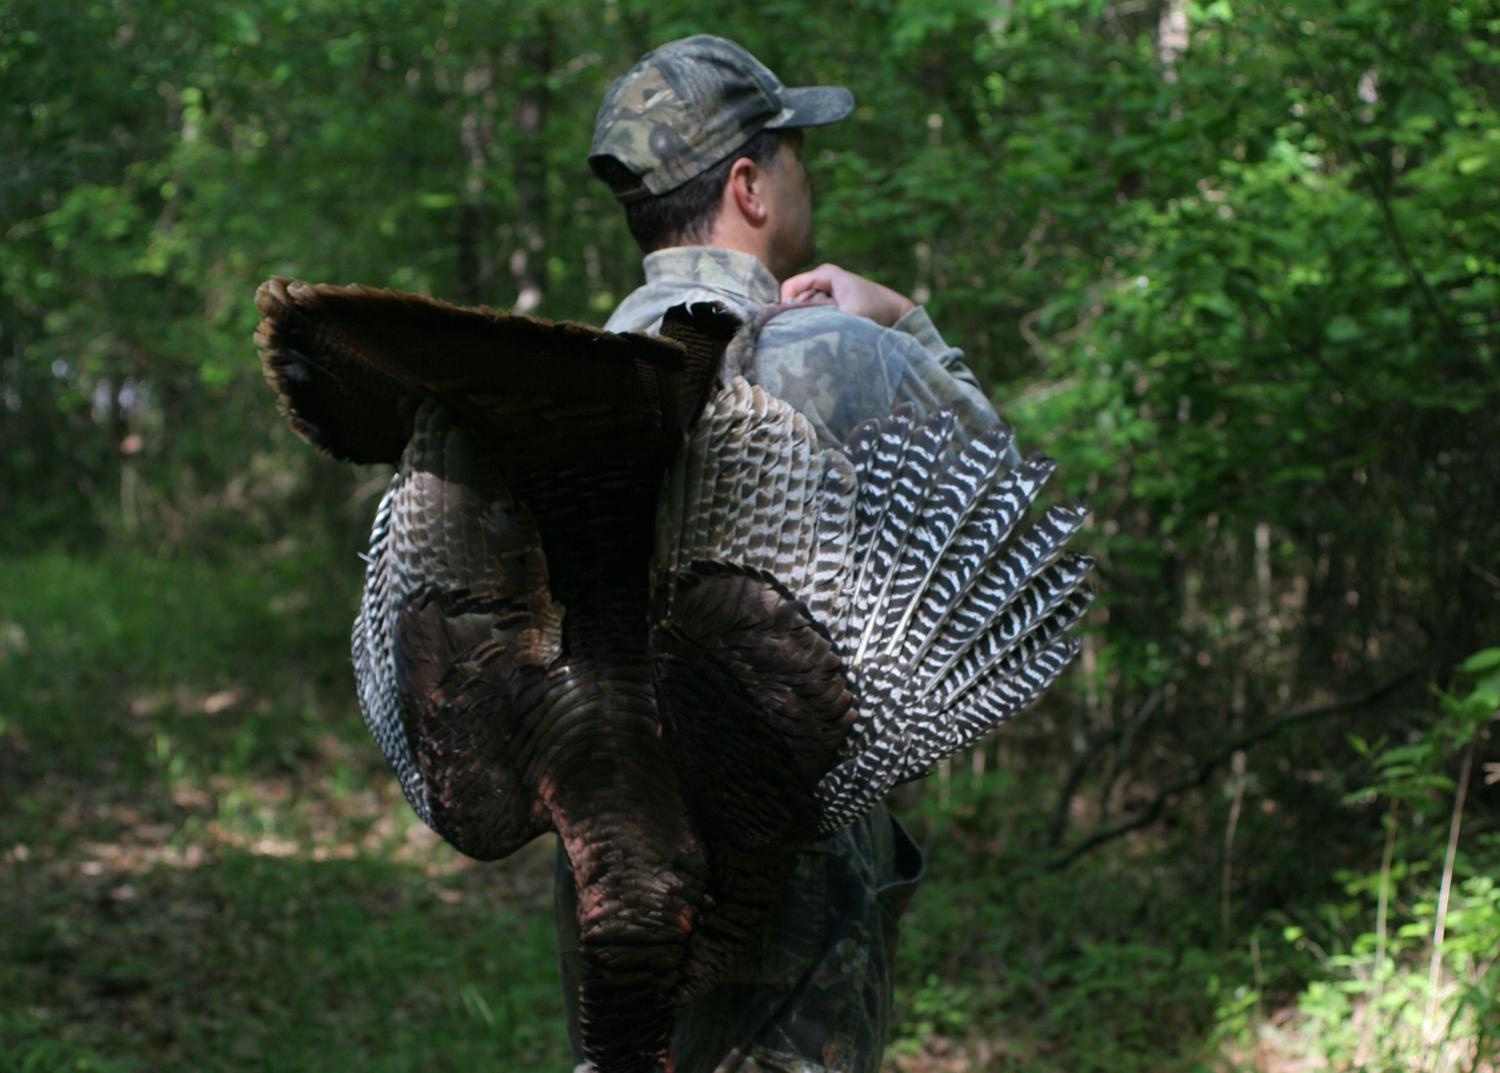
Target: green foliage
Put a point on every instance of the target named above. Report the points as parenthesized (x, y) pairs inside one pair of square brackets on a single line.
[(126, 665), (1406, 966), (1119, 962), (257, 962), (932, 1008), (1377, 1014), (1240, 280), (29, 1048), (1101, 966)]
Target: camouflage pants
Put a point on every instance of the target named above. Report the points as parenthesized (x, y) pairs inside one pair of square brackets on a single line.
[(815, 997)]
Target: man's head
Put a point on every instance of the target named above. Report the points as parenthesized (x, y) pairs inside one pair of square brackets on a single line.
[(702, 145)]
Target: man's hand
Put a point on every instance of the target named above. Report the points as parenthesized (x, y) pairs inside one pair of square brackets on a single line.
[(851, 293)]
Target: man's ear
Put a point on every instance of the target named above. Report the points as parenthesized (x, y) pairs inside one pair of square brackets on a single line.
[(746, 187)]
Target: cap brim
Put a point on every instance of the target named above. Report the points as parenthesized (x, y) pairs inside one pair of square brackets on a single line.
[(815, 106)]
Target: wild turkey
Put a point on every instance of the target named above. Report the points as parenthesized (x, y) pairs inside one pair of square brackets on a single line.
[(615, 591)]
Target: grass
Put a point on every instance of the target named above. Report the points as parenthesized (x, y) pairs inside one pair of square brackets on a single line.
[(248, 961), (204, 863)]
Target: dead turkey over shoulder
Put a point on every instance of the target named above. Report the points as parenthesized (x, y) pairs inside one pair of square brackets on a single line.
[(617, 592)]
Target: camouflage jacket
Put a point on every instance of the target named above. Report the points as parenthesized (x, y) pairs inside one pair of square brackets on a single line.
[(838, 369), (815, 996)]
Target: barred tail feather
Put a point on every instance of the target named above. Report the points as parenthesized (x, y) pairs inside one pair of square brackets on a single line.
[(874, 752), (957, 494), (876, 451), (958, 617), (1027, 610), (1011, 582), (374, 658), (833, 550), (908, 507), (970, 563), (1007, 686), (1014, 686), (798, 529)]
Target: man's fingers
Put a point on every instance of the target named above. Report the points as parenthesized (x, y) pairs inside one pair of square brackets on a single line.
[(851, 293), (806, 294), (821, 279)]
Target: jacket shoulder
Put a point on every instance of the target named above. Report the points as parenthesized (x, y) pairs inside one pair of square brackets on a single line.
[(824, 322)]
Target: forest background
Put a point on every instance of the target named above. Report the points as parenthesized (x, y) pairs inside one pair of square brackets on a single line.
[(1235, 265)]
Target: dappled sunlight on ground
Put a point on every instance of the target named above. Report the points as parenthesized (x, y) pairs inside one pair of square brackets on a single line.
[(101, 830), (187, 923)]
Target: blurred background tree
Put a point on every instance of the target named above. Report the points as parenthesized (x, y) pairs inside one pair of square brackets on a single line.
[(1234, 265)]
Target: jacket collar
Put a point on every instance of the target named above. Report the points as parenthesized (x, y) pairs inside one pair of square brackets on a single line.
[(739, 276)]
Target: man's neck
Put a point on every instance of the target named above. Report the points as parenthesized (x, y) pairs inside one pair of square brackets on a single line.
[(743, 239)]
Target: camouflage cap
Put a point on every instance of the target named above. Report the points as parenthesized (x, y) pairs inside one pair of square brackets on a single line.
[(690, 103)]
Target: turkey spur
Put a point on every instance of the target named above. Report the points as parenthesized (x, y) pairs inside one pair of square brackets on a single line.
[(616, 592)]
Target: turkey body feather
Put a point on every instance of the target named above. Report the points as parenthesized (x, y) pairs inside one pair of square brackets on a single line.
[(616, 593)]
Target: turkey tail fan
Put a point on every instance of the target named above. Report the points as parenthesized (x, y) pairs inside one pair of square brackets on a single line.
[(350, 364), (959, 618)]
